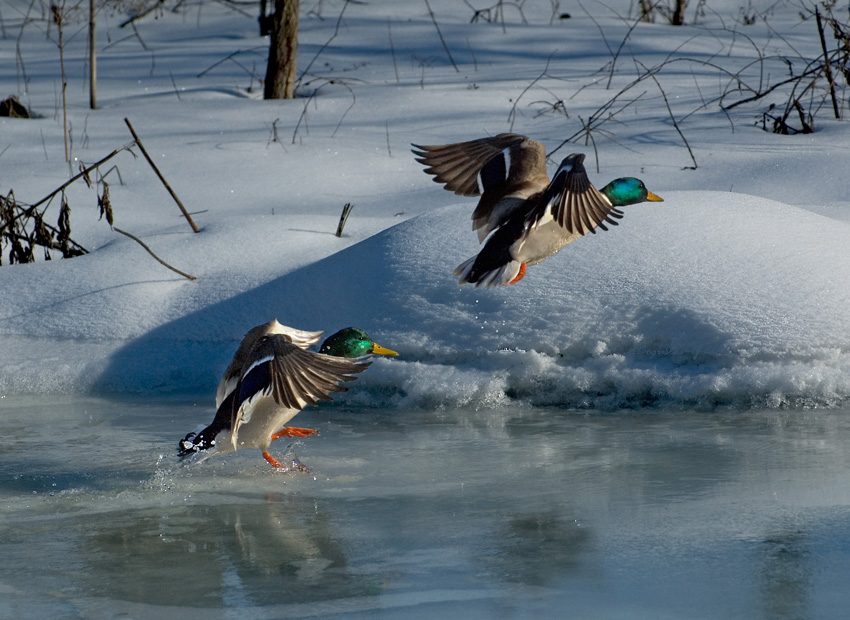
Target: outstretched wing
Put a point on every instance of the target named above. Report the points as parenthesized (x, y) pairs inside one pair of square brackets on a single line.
[(292, 376), (505, 170), (233, 374), (473, 168), (573, 202)]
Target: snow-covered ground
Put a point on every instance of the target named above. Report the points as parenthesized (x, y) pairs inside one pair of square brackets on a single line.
[(732, 291)]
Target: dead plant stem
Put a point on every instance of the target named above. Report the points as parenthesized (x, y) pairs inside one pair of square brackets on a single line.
[(149, 251), (827, 69), (669, 110), (27, 212), (440, 34), (159, 174)]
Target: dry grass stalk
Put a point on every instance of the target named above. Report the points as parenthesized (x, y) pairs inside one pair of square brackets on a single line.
[(161, 178), (24, 231), (343, 218), (151, 252), (440, 34), (58, 13)]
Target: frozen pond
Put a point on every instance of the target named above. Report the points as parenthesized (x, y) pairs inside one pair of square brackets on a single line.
[(498, 513)]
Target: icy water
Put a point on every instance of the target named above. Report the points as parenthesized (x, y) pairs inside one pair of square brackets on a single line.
[(522, 513)]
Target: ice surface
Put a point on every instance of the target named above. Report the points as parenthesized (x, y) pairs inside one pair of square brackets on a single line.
[(514, 512)]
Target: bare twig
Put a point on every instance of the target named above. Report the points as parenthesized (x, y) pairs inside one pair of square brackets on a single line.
[(669, 111), (311, 98), (273, 135), (423, 64), (348, 109), (303, 116), (27, 212), (588, 136), (496, 13), (142, 14), (472, 55), (149, 251), (161, 178), (343, 218), (327, 43), (604, 113), (59, 20), (440, 34), (392, 50), (763, 93), (144, 45), (827, 69), (174, 85), (231, 57), (544, 73), (617, 53), (92, 56)]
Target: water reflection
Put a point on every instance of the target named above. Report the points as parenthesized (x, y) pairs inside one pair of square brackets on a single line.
[(539, 548), (785, 574), (278, 550), (482, 514)]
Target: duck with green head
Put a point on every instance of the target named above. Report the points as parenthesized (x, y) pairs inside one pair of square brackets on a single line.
[(352, 342), (524, 216), (271, 377)]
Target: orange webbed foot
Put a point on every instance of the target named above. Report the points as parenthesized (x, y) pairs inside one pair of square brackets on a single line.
[(272, 460), (293, 431), (295, 464), (519, 276)]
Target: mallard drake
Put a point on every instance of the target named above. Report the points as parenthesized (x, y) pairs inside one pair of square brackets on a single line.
[(523, 215), (271, 378)]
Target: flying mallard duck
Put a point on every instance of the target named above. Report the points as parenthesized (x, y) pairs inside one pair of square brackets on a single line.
[(271, 378), (527, 216)]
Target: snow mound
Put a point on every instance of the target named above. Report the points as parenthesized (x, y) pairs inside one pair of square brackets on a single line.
[(708, 299)]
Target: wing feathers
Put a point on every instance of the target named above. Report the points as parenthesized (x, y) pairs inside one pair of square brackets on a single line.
[(573, 202), (235, 370), (457, 166), (295, 378)]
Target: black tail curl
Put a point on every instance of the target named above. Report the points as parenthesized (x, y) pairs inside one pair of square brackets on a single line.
[(196, 442)]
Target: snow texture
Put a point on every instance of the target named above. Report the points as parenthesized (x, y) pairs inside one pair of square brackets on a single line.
[(734, 291)]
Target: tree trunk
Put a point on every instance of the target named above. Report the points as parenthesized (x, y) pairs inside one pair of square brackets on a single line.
[(678, 18), (283, 51), (92, 57)]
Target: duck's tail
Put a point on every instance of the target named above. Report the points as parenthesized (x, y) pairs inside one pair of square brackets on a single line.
[(476, 271), (198, 442)]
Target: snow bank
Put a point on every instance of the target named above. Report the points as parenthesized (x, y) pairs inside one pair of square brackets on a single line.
[(706, 299)]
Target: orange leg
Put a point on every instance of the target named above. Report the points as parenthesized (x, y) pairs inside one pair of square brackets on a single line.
[(293, 431), (296, 464), (519, 276), (272, 460)]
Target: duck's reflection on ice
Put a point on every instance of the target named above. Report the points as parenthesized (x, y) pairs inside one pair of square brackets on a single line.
[(281, 550), (535, 549)]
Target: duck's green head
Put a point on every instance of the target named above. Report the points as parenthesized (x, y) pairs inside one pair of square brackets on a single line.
[(352, 342), (628, 191)]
